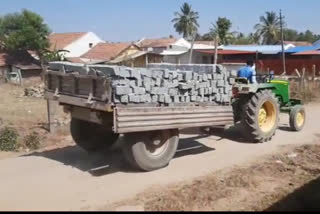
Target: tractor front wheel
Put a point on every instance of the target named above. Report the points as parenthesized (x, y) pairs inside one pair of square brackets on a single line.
[(297, 118), (261, 116)]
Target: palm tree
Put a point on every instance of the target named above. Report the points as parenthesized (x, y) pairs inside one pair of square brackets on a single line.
[(269, 28), (186, 21), (221, 29)]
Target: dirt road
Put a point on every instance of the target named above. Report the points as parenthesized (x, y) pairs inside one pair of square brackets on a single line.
[(69, 179)]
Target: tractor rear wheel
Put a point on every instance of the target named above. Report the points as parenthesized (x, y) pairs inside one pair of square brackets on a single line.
[(261, 116), (297, 118), (91, 136), (150, 150)]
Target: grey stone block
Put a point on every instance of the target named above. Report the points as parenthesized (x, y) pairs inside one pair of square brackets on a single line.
[(232, 80), (159, 90), (204, 77), (201, 91), (218, 97), (158, 82), (139, 90), (234, 73), (154, 98), (213, 83), (209, 76), (164, 83), (187, 99), (220, 83), (182, 99), (200, 78), (221, 90), (135, 73), (187, 75), (157, 74), (176, 99), (132, 83), (173, 91), (199, 99), (116, 99), (122, 72), (174, 84), (180, 76), (188, 85), (161, 98), (206, 99), (124, 99), (206, 91), (166, 74), (195, 76), (134, 98), (120, 82), (145, 72), (147, 83), (123, 90), (193, 98), (167, 99)]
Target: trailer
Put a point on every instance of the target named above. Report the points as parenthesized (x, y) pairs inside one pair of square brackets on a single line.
[(150, 130)]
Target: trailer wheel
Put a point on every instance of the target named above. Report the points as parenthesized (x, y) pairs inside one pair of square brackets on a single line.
[(91, 136), (297, 118), (150, 150)]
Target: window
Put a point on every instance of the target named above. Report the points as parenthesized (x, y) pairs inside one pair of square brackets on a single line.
[(90, 45)]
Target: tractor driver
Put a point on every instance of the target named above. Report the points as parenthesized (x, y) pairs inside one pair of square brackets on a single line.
[(248, 72)]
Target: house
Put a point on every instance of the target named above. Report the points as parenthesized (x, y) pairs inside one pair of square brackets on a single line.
[(156, 45), (76, 44), (127, 54), (18, 65)]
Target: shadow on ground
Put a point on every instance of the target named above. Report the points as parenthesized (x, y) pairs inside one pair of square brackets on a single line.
[(306, 198), (108, 162)]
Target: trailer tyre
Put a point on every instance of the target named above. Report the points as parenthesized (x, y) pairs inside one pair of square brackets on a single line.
[(297, 118), (91, 136), (150, 150)]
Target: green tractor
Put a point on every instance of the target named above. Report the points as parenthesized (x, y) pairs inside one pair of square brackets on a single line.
[(257, 107)]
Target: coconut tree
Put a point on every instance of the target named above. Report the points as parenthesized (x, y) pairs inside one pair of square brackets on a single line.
[(186, 23), (269, 28)]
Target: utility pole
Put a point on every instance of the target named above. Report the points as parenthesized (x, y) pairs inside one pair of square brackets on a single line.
[(216, 43), (282, 45)]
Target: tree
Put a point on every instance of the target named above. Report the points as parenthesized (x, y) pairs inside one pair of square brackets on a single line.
[(222, 29), (290, 34), (269, 28), (186, 21), (24, 31)]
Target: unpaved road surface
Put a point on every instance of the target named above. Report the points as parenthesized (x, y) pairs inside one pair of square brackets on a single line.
[(69, 179)]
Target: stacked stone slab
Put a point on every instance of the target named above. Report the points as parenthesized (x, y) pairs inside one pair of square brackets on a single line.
[(165, 84)]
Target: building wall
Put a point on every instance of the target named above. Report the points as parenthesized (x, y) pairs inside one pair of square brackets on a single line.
[(81, 46)]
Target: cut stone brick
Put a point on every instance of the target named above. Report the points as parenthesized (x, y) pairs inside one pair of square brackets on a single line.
[(135, 73), (158, 82), (157, 74), (187, 99), (159, 90), (139, 90), (122, 72), (232, 80), (220, 83), (123, 90), (193, 98), (124, 99), (134, 98), (173, 91), (161, 98), (167, 99), (185, 85), (154, 98)]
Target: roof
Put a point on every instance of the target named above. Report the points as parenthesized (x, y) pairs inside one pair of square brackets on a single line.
[(59, 41), (301, 49), (173, 52), (312, 52), (106, 51), (225, 52), (297, 43), (156, 43), (205, 42), (19, 59), (264, 49), (128, 57)]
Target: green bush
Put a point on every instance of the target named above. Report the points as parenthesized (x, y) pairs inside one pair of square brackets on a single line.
[(8, 139), (32, 141)]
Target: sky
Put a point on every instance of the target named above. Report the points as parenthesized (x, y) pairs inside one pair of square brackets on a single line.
[(130, 20)]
